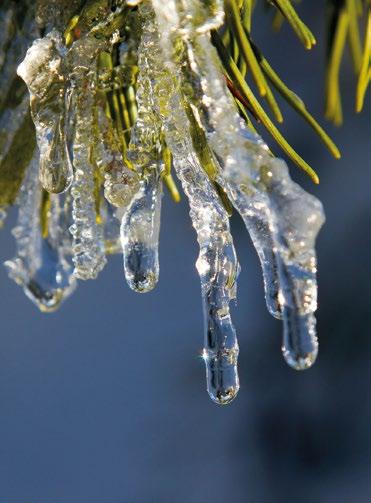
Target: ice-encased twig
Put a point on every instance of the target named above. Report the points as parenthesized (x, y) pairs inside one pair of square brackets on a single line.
[(217, 263), (41, 265), (44, 73), (275, 231), (140, 226), (88, 242)]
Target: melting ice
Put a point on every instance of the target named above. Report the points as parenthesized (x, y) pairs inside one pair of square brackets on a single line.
[(181, 101)]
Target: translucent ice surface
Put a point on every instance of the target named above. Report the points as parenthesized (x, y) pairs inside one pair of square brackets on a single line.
[(42, 265)]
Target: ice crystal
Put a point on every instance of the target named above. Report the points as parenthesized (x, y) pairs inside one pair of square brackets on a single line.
[(121, 99)]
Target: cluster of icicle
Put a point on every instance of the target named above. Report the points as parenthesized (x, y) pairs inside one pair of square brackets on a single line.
[(180, 86)]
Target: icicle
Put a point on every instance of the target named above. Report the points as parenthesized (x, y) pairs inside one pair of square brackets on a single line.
[(217, 262), (243, 156), (88, 242), (299, 218), (294, 277), (140, 230), (218, 268), (287, 284), (141, 223), (41, 265), (44, 73)]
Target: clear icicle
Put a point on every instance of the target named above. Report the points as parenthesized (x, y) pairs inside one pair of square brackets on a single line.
[(217, 262), (41, 265), (88, 241), (218, 268), (43, 71), (141, 222), (299, 218), (290, 287), (140, 229), (287, 257)]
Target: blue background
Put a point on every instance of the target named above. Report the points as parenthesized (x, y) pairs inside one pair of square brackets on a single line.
[(105, 401)]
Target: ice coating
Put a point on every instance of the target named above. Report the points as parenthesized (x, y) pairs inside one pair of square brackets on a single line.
[(140, 226), (43, 72), (282, 219), (120, 182), (41, 265), (217, 263), (88, 241), (169, 74)]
